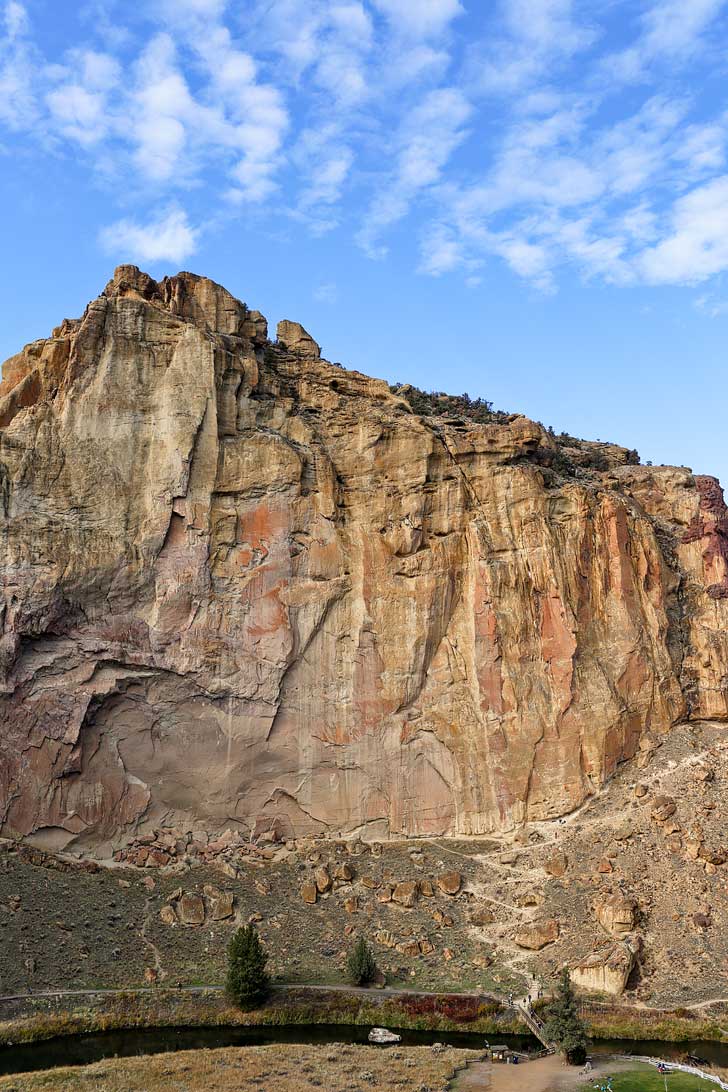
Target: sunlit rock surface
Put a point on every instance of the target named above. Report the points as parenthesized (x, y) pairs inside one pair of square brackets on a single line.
[(241, 584)]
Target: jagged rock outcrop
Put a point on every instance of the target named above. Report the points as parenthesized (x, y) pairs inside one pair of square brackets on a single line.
[(243, 585)]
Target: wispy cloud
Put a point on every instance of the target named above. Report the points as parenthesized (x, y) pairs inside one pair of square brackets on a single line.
[(427, 139), (515, 133), (18, 65), (669, 29), (326, 292), (420, 18)]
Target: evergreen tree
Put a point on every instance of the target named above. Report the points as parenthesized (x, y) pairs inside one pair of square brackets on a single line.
[(564, 1026), (361, 964), (247, 982)]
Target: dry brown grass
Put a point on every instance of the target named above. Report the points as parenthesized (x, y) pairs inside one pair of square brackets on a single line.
[(280, 1068)]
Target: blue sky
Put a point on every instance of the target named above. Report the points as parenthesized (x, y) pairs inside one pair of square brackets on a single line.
[(526, 200)]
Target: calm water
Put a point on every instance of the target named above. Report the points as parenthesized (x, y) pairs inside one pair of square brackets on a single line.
[(83, 1049)]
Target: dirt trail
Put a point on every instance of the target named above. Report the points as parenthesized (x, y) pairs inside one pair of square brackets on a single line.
[(550, 1074)]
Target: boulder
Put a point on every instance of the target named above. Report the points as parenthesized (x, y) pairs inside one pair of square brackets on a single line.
[(221, 906), (322, 879), (385, 938), (405, 893), (309, 892), (167, 915), (556, 864), (294, 337), (482, 915), (606, 971), (442, 918), (662, 808), (408, 947), (617, 914), (157, 858), (191, 909), (510, 857), (450, 882), (537, 934)]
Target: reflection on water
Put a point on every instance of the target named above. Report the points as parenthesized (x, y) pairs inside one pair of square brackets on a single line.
[(83, 1049)]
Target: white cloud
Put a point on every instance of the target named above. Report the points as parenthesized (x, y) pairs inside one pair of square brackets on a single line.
[(18, 69), (440, 251), (696, 245), (671, 29), (711, 305), (420, 18), (427, 139), (535, 36), (326, 292), (16, 20), (169, 237), (358, 113), (330, 42), (79, 105)]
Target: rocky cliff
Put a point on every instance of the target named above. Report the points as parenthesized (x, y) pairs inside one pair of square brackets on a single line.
[(243, 585)]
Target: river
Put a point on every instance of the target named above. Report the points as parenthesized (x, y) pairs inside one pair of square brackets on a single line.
[(84, 1049)]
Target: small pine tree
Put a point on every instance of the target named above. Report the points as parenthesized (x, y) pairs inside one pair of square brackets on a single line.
[(361, 964), (247, 982), (564, 1026)]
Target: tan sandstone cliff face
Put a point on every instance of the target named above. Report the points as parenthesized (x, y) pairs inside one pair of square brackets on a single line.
[(242, 584)]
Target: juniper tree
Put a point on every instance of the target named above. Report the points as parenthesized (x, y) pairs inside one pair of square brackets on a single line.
[(247, 982), (564, 1026), (361, 964)]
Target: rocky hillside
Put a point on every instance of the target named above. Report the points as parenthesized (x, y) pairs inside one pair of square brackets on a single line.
[(242, 585)]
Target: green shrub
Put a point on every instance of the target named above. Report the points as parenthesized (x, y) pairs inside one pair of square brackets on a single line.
[(564, 1026), (247, 982), (361, 964)]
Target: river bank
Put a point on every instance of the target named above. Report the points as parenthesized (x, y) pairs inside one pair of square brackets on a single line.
[(31, 1019), (279, 1068)]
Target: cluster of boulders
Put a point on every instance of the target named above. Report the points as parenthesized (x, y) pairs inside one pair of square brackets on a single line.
[(194, 908), (663, 811), (169, 846), (404, 893), (42, 859)]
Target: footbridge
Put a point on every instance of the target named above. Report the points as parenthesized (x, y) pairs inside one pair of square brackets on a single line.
[(535, 1024)]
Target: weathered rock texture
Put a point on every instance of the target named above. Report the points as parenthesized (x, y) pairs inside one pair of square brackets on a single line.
[(243, 584), (605, 972)]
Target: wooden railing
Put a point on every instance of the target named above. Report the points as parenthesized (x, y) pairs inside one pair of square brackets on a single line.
[(536, 1025)]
